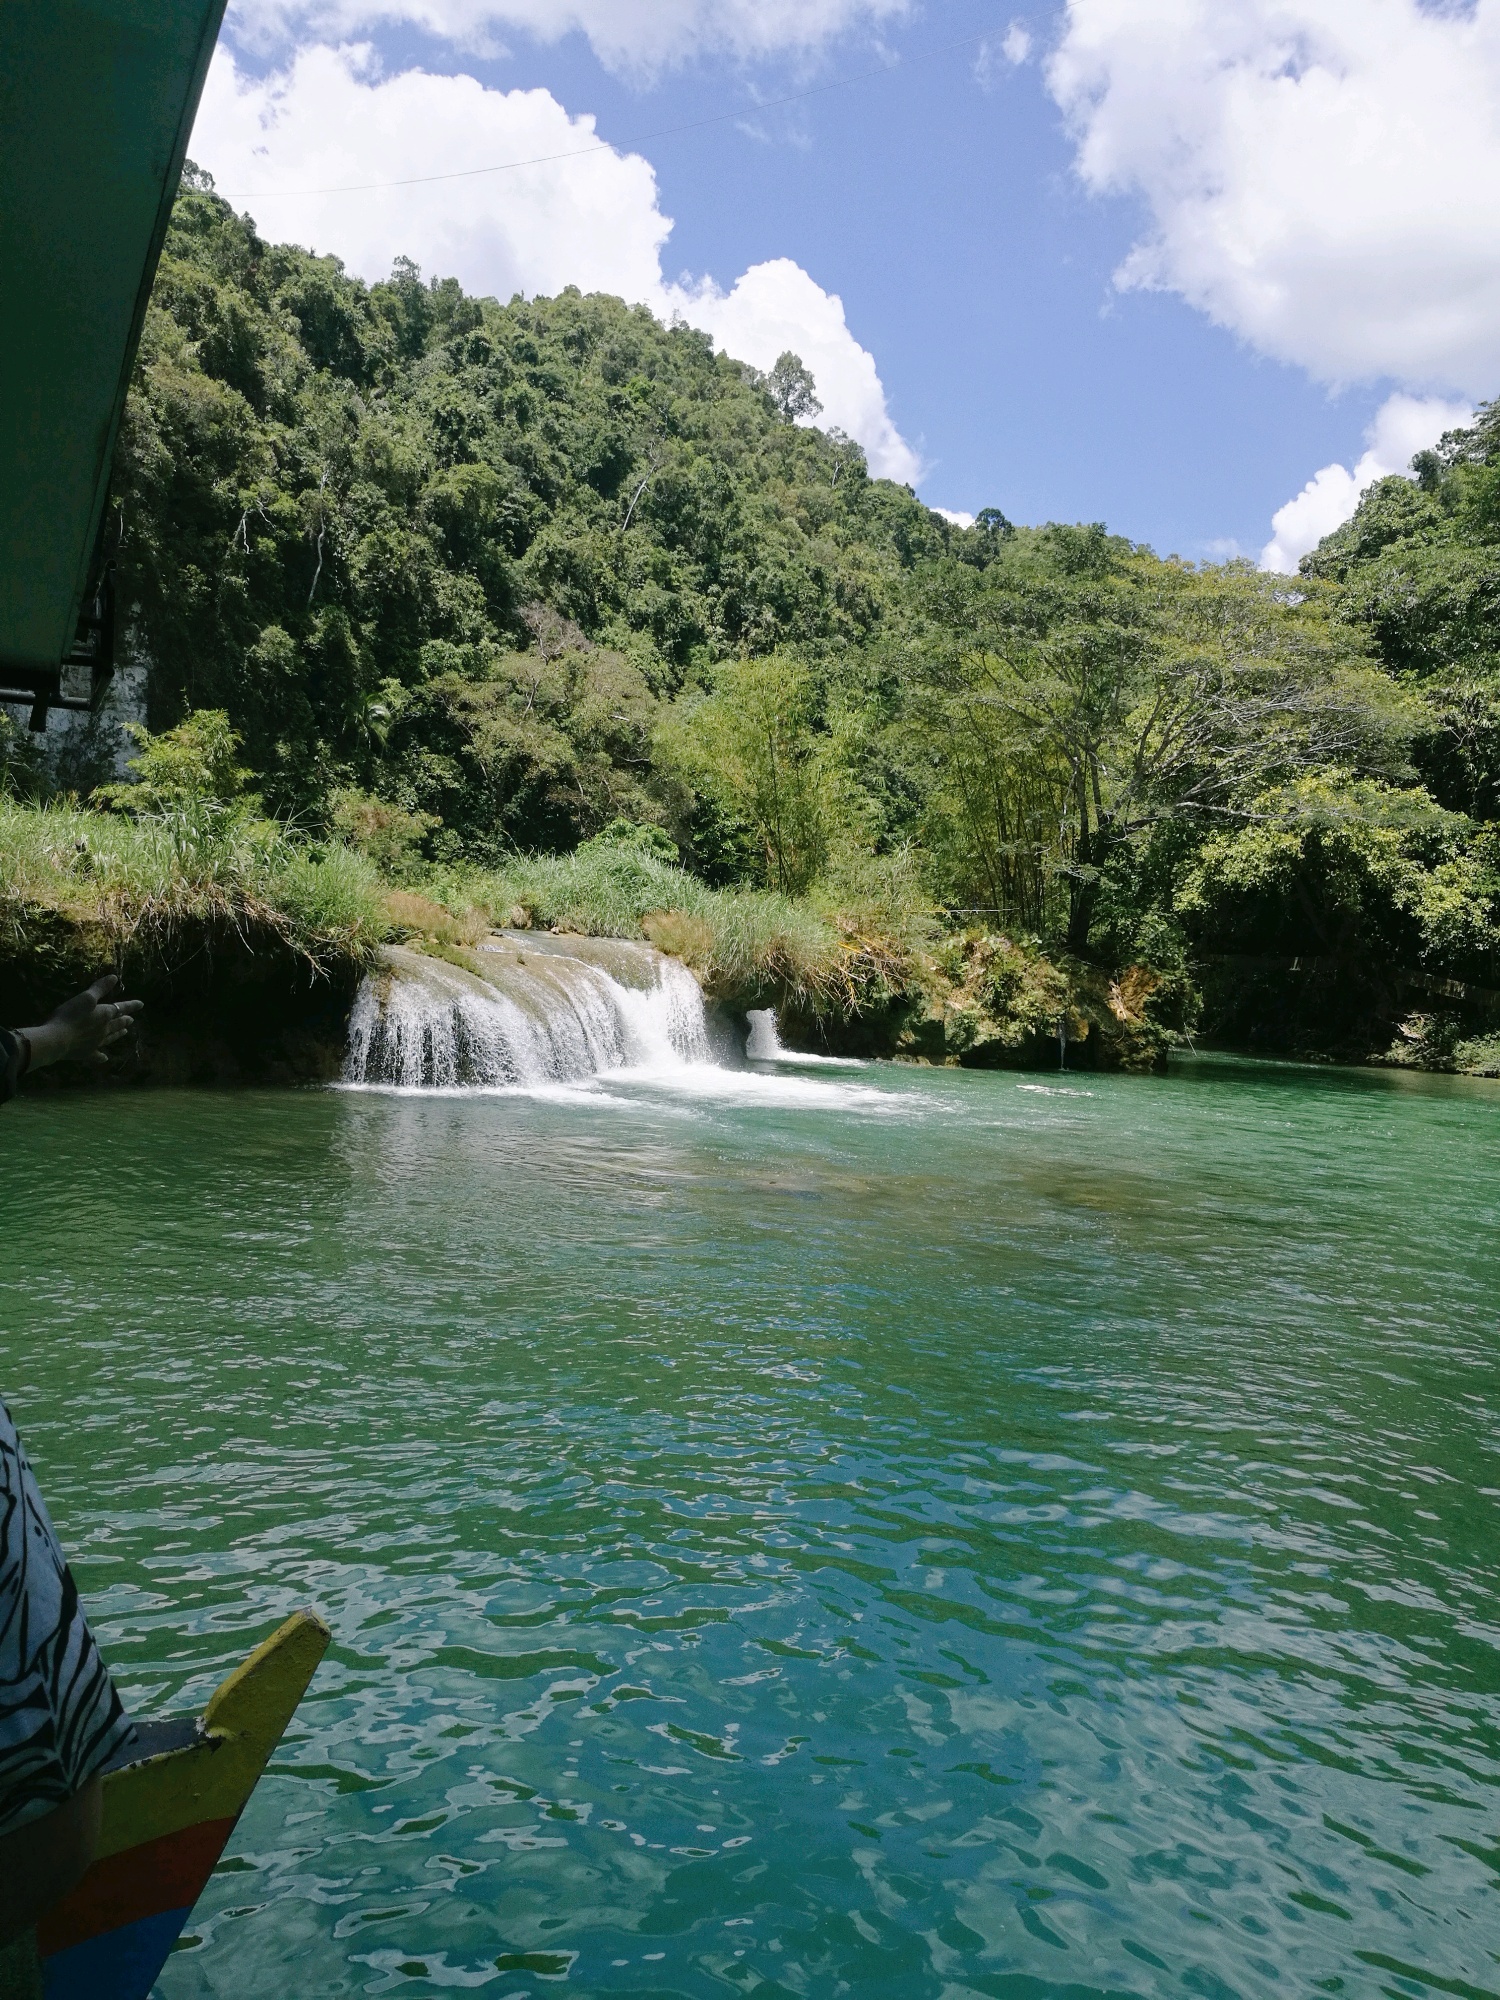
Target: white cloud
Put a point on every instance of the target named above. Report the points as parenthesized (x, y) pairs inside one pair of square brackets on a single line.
[(996, 59), (777, 306), (1321, 175), (1016, 47), (629, 35), (1403, 426), (330, 119), (956, 515)]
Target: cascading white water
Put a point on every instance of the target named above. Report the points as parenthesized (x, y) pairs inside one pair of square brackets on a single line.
[(546, 1011), (764, 1044)]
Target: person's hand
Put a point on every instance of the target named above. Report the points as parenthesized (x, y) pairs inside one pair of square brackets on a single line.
[(85, 1028)]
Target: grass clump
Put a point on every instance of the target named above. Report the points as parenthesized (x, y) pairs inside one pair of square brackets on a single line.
[(143, 884), (183, 858), (751, 947), (1479, 1056)]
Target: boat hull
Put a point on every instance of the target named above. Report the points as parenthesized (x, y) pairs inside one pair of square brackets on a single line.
[(168, 1814)]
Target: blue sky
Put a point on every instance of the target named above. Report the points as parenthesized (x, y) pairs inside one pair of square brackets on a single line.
[(972, 207)]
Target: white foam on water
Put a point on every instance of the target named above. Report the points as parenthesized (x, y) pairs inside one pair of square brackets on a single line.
[(713, 1084), (550, 1024)]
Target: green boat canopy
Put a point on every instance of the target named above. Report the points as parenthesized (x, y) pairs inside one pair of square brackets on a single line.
[(97, 99)]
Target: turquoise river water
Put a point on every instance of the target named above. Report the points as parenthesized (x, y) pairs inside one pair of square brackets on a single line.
[(813, 1531)]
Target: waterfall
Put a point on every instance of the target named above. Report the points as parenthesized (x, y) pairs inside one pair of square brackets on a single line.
[(545, 1010), (764, 1044)]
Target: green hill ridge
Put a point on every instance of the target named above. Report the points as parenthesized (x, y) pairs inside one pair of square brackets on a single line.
[(547, 612)]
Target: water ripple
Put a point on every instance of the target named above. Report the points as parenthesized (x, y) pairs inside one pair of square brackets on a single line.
[(890, 1533)]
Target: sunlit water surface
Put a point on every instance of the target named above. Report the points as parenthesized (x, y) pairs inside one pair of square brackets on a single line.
[(821, 1531)]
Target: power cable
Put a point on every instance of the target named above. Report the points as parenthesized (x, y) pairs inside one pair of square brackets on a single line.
[(621, 145)]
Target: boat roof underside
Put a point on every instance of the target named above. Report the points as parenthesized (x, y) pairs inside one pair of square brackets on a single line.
[(96, 102)]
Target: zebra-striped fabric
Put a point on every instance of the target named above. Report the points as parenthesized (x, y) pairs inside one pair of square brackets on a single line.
[(60, 1717)]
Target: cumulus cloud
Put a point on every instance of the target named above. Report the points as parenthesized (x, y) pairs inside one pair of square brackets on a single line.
[(1403, 426), (1320, 174), (956, 515), (776, 306), (331, 120), (627, 35)]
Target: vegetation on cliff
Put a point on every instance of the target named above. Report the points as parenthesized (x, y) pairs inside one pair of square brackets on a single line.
[(208, 908), (546, 612)]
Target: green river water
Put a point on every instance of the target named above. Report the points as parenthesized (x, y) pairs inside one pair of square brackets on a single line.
[(828, 1530)]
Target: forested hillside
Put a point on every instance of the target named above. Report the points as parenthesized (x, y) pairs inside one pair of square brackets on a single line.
[(476, 583), (462, 554)]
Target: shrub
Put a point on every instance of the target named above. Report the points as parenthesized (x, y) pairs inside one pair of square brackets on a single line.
[(387, 833)]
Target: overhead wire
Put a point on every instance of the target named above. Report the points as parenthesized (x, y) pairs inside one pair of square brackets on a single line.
[(621, 145)]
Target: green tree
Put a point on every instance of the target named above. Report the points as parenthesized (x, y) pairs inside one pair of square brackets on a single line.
[(327, 490), (1091, 692), (196, 764), (792, 389), (752, 745), (1418, 569)]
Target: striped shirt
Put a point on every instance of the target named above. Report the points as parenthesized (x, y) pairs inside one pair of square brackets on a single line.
[(60, 1717)]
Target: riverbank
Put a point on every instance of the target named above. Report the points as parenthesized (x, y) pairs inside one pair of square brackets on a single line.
[(249, 945)]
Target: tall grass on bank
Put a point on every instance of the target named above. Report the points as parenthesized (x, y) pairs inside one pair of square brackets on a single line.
[(739, 941), (153, 885), (143, 884), (747, 945)]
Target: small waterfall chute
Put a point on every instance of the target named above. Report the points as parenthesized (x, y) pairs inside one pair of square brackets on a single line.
[(764, 1043), (543, 1010)]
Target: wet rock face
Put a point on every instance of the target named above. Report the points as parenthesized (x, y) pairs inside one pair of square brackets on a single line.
[(984, 1001), (995, 1005), (222, 1007)]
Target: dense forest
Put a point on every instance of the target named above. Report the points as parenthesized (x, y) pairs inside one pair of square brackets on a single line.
[(475, 583)]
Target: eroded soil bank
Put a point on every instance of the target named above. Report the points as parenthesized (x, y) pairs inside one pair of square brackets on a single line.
[(224, 1004)]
